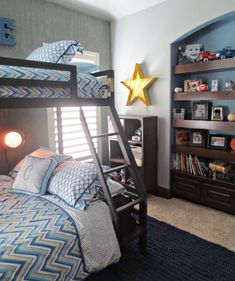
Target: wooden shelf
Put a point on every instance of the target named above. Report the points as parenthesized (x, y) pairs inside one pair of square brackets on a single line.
[(118, 160), (132, 142), (220, 95), (208, 125), (204, 66), (204, 179), (205, 152)]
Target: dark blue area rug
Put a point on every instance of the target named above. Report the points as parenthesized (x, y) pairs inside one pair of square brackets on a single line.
[(173, 255)]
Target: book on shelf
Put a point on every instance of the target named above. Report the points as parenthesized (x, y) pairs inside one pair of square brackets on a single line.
[(190, 164)]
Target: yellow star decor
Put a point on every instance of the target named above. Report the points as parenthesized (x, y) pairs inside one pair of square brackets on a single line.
[(138, 86)]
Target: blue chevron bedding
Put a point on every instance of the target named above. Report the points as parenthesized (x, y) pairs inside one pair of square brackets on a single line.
[(40, 240), (88, 85)]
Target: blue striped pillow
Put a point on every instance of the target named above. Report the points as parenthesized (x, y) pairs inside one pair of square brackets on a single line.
[(75, 183), (57, 52)]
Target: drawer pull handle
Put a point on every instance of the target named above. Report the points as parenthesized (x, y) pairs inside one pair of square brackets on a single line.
[(219, 193)]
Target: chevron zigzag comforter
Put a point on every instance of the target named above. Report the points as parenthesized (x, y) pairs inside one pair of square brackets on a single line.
[(40, 240), (88, 85)]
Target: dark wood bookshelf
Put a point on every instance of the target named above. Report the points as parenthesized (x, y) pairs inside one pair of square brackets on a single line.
[(145, 151), (204, 66), (220, 95), (205, 124), (219, 194), (205, 152)]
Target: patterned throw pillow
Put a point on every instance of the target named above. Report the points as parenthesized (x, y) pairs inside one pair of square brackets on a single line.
[(34, 175), (57, 52), (41, 152), (85, 67), (75, 183)]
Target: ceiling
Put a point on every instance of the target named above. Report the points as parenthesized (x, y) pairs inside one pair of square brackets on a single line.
[(108, 9)]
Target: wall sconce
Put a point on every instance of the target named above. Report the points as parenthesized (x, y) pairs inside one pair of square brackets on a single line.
[(12, 139), (9, 140)]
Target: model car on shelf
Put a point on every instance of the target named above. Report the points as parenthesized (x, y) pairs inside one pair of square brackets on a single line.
[(206, 56), (225, 53)]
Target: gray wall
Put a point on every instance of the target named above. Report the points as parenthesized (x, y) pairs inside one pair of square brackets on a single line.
[(146, 37), (38, 21)]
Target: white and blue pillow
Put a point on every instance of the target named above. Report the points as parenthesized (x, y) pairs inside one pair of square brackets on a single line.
[(34, 175), (76, 184), (85, 67), (57, 52), (41, 152)]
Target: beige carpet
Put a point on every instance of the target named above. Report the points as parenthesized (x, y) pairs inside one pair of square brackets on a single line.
[(207, 223)]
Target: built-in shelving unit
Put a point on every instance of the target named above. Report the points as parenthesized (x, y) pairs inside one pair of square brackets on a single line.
[(212, 192)]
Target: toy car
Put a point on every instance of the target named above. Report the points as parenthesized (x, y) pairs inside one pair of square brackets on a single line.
[(206, 56), (225, 53)]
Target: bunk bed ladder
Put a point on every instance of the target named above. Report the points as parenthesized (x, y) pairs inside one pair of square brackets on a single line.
[(138, 192)]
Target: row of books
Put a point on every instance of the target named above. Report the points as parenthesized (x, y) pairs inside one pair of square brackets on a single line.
[(190, 164)]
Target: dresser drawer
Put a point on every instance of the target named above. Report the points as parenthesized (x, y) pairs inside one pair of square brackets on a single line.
[(218, 196), (186, 188)]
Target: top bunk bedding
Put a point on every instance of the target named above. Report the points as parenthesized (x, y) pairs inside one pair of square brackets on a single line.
[(88, 86)]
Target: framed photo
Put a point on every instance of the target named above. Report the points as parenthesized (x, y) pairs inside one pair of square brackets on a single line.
[(191, 85), (217, 113), (178, 113), (218, 141), (214, 85), (189, 53), (182, 137), (200, 111), (198, 138)]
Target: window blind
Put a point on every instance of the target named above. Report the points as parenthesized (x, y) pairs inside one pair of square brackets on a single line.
[(68, 133)]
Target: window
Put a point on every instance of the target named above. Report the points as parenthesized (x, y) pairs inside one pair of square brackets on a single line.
[(65, 130)]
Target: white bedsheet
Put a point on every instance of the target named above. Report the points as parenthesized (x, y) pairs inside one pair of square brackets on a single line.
[(98, 239)]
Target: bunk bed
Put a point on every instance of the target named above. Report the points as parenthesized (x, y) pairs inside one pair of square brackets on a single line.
[(31, 84)]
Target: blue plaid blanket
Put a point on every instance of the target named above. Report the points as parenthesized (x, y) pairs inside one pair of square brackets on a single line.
[(38, 240)]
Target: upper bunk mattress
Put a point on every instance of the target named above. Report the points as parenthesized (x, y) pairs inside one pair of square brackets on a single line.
[(88, 86)]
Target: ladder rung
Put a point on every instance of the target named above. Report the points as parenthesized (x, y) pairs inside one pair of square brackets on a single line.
[(131, 194), (129, 205), (116, 168), (105, 135)]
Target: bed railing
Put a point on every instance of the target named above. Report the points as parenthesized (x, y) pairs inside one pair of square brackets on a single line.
[(38, 102)]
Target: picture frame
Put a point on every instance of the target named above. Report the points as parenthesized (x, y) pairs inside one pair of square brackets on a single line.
[(198, 138), (182, 137), (200, 111), (217, 113), (214, 85), (191, 86), (217, 141), (189, 53), (178, 113)]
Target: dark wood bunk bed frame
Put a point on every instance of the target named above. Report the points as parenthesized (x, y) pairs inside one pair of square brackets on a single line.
[(135, 195)]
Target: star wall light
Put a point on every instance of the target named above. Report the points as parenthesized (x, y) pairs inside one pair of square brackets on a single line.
[(138, 86)]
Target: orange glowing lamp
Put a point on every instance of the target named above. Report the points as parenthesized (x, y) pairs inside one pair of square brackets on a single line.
[(12, 139)]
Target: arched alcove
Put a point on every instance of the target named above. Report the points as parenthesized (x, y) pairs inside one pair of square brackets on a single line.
[(191, 183)]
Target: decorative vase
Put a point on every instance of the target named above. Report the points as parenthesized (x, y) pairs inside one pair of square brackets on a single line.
[(231, 117), (232, 144)]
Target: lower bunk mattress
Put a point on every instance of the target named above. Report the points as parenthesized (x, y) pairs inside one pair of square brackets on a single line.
[(88, 86), (42, 239)]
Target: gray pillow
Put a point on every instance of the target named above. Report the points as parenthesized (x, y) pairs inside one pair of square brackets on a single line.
[(34, 175)]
